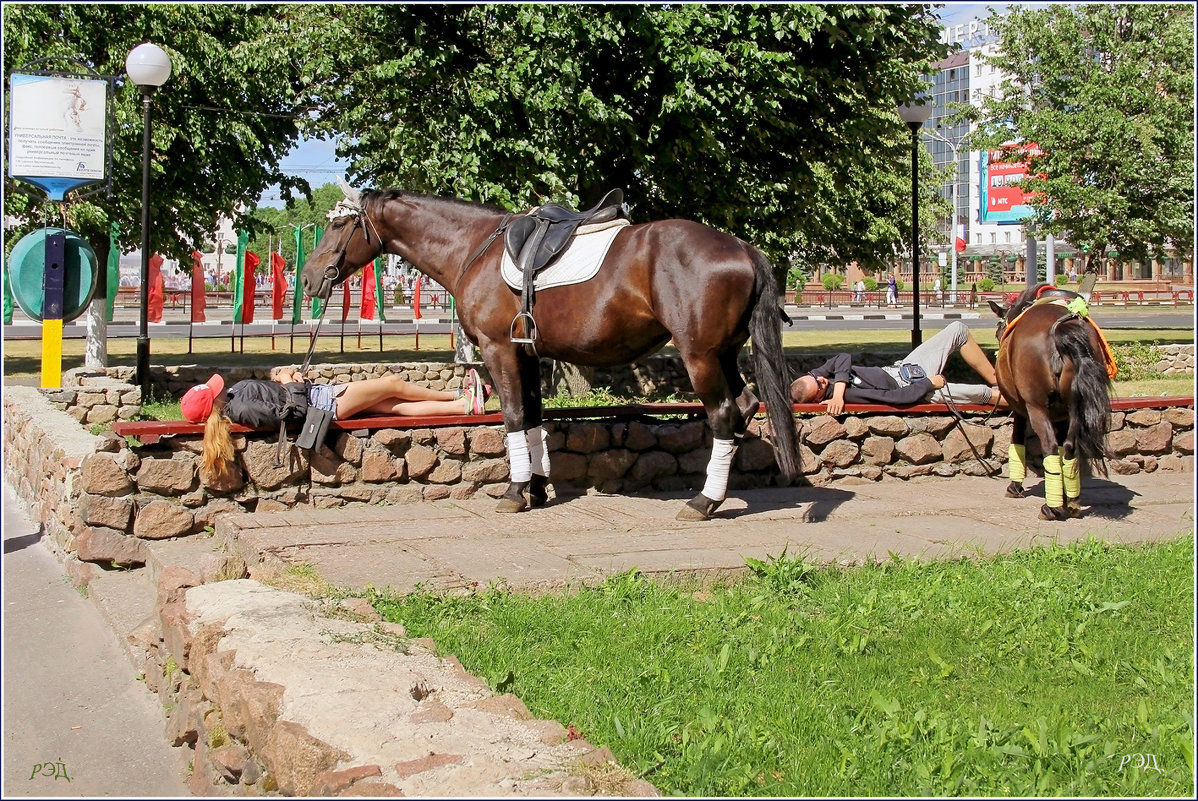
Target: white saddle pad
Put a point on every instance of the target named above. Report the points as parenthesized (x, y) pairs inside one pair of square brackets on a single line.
[(579, 263)]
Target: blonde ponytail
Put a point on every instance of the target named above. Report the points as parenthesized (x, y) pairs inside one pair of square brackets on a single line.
[(216, 459)]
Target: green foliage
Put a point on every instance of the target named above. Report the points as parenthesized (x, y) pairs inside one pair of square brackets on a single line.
[(796, 278), (738, 116), (1107, 92), (986, 284), (1027, 674), (1135, 361), (220, 125), (1060, 279), (871, 283), (832, 281)]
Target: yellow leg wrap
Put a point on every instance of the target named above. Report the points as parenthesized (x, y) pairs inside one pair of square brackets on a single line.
[(1071, 477), (1052, 481), (1017, 462)]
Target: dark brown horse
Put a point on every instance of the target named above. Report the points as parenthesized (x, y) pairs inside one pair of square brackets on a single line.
[(660, 281), (1052, 371)]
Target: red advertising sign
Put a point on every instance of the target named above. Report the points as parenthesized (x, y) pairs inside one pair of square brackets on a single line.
[(1003, 197)]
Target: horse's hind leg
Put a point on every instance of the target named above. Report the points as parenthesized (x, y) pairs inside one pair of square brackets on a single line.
[(1054, 500), (726, 398)]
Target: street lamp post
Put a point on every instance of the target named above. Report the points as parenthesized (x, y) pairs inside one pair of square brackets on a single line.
[(952, 239), (148, 66), (915, 114)]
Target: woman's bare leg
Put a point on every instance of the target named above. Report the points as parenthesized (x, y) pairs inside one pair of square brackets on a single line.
[(360, 396), (976, 358)]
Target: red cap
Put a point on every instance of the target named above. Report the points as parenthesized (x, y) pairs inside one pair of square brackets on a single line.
[(197, 401)]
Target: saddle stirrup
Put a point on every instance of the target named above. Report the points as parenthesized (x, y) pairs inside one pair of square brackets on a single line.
[(530, 329)]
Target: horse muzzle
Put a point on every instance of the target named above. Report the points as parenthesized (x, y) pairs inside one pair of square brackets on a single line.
[(324, 288)]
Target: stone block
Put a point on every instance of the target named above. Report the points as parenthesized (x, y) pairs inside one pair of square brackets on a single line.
[(159, 520)]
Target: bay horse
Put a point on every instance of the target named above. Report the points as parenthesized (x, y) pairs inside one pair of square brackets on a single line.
[(659, 281), (1052, 371)]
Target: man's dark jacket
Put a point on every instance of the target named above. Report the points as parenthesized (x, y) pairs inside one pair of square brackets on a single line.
[(870, 384)]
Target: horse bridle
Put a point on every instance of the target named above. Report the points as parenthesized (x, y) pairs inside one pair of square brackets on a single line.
[(354, 211)]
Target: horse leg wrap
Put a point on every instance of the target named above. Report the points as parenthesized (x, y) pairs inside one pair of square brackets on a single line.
[(1053, 489), (1017, 462), (538, 450), (718, 467), (519, 461), (1071, 477)]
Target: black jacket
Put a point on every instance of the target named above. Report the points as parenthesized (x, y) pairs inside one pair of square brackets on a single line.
[(265, 404), (870, 384)]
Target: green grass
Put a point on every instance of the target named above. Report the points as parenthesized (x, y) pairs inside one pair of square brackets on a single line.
[(1033, 673)]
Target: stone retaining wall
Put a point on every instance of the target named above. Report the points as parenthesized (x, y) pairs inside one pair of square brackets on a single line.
[(101, 499), (100, 396)]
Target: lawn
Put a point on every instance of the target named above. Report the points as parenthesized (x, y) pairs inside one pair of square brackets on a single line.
[(1051, 671)]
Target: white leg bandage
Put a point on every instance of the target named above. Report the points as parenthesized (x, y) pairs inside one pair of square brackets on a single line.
[(538, 450), (517, 454), (722, 451)]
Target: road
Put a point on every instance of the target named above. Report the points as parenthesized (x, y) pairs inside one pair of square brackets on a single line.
[(437, 321), (76, 721)]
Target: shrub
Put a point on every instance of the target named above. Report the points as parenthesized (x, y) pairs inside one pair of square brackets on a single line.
[(871, 283), (986, 284), (1061, 279), (832, 281)]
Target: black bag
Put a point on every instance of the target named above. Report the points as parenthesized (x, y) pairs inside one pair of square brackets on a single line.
[(911, 373), (316, 428)]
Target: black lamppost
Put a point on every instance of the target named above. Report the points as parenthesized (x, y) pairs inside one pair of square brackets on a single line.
[(915, 114), (148, 66)]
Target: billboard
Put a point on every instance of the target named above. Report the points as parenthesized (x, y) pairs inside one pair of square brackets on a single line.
[(57, 131), (1001, 196)]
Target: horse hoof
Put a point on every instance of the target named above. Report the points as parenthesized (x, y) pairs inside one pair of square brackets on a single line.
[(1015, 490), (538, 494), (513, 500), (1054, 513), (698, 508), (1073, 507)]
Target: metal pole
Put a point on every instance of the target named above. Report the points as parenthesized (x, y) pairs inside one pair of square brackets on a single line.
[(143, 337), (953, 237), (916, 334)]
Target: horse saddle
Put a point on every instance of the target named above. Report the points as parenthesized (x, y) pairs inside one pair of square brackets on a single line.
[(536, 238)]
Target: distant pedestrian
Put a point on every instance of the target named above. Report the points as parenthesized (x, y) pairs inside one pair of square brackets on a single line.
[(892, 291)]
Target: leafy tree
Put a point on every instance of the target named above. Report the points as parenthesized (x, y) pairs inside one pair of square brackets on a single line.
[(773, 122), (1107, 92), (275, 228), (221, 123)]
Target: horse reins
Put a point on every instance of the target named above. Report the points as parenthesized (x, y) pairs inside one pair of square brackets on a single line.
[(959, 420)]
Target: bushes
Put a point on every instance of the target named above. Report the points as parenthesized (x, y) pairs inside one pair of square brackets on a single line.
[(832, 281)]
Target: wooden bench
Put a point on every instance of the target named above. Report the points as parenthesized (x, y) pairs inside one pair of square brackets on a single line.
[(151, 431)]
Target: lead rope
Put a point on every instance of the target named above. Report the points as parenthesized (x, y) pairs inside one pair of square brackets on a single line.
[(959, 419), (282, 444)]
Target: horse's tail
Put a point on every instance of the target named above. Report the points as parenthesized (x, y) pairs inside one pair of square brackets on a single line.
[(770, 366), (1089, 396)]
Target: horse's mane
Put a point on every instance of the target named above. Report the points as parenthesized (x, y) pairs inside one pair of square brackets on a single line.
[(1025, 299), (374, 198)]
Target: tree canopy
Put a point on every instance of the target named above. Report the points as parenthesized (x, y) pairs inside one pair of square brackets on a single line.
[(1107, 93), (221, 123), (774, 122)]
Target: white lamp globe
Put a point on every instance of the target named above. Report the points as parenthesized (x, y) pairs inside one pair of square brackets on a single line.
[(915, 112), (148, 65)]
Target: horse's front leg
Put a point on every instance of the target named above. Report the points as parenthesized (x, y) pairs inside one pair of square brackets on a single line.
[(528, 459)]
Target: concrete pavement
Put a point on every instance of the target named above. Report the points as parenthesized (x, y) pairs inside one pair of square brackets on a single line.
[(77, 723), (582, 539)]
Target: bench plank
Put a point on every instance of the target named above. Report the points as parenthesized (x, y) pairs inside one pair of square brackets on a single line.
[(150, 431)]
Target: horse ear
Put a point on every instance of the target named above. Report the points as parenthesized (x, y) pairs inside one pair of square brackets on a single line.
[(999, 310), (351, 194)]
